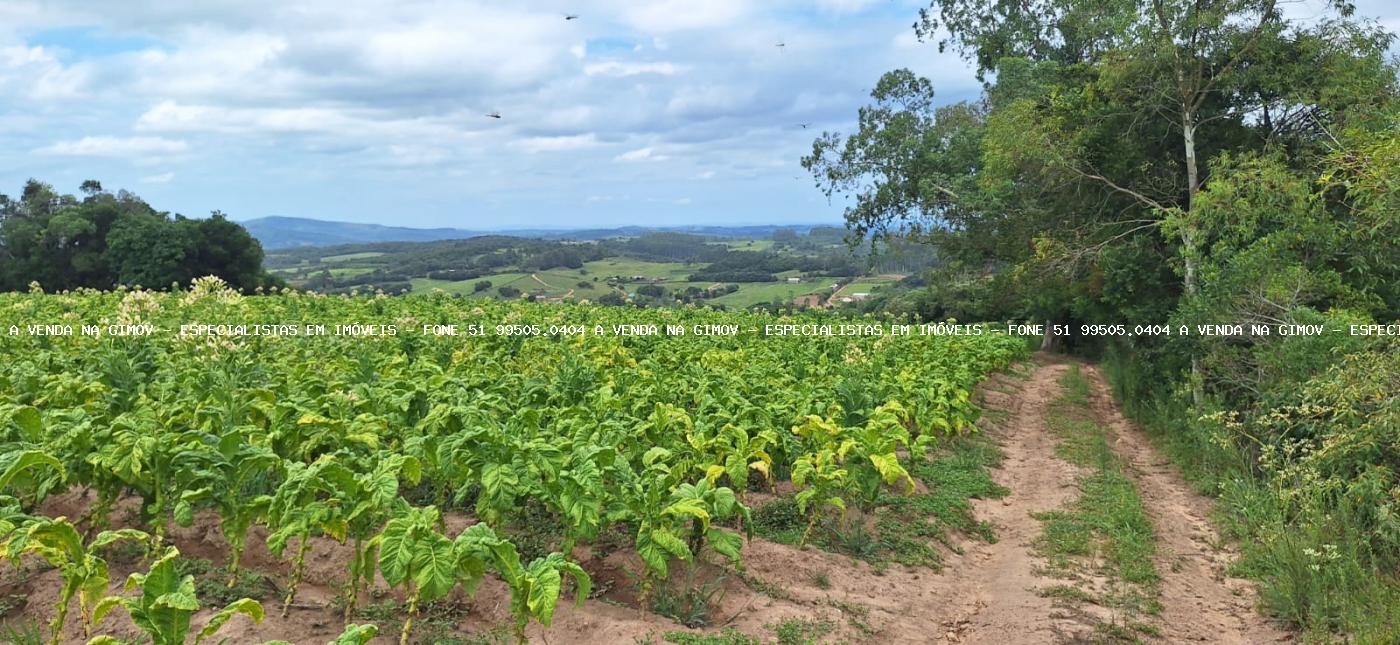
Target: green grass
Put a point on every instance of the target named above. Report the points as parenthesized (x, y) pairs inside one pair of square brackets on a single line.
[(1315, 569), (729, 636), (749, 245), (753, 293), (341, 272), (1106, 528), (351, 256), (801, 631), (627, 268)]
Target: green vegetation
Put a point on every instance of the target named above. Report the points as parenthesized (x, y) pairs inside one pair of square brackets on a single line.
[(648, 443), (1180, 164), (653, 270), (909, 526), (104, 240)]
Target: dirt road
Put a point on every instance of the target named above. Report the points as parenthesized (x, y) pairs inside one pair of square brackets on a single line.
[(1002, 584)]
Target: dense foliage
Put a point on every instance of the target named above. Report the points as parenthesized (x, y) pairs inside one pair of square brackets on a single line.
[(1181, 162), (104, 240), (370, 440)]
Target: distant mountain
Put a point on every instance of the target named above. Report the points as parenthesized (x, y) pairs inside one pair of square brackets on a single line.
[(290, 232), (278, 233)]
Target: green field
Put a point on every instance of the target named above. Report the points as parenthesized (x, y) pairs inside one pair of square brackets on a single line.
[(352, 256)]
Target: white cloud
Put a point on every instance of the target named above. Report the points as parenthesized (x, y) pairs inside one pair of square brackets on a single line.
[(708, 174), (617, 68), (104, 146), (681, 15), (641, 154), (162, 178), (559, 144), (37, 74)]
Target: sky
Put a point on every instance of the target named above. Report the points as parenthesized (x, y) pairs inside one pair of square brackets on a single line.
[(660, 112)]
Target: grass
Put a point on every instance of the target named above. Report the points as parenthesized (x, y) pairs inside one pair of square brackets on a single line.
[(688, 603), (26, 632), (801, 631), (753, 293), (729, 636), (908, 528), (351, 256), (627, 268), (1314, 568), (1107, 525), (211, 582)]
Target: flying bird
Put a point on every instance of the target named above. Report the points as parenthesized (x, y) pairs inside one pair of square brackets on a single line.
[(780, 45), (804, 125), (572, 16), (494, 115)]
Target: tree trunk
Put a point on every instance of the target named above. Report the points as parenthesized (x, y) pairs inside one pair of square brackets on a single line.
[(1050, 342), (1189, 239)]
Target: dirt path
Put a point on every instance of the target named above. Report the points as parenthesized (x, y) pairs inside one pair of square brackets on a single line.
[(999, 602), (536, 278), (831, 301), (1200, 602)]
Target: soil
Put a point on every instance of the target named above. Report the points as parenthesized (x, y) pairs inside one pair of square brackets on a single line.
[(986, 593)]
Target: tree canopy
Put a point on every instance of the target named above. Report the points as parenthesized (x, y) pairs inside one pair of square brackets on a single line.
[(103, 240)]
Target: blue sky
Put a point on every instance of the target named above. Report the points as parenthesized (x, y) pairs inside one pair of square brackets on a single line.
[(640, 112)]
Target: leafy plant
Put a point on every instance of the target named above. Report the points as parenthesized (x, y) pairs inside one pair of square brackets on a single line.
[(84, 573), (414, 555), (167, 602)]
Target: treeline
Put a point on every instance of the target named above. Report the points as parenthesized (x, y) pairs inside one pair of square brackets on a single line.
[(758, 266), (102, 240), (1181, 162)]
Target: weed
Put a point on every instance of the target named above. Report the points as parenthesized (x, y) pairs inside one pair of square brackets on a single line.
[(212, 587), (729, 636), (801, 631), (1067, 592), (822, 580), (856, 616), (28, 632), (764, 587), (779, 521), (855, 541), (690, 605)]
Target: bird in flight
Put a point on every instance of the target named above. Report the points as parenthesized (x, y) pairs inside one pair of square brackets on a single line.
[(494, 115), (804, 126), (780, 44), (572, 16)]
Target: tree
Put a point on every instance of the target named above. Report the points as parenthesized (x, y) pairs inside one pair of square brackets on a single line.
[(1215, 74), (106, 239), (147, 250)]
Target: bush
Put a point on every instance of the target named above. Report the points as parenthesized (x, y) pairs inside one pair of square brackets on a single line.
[(481, 286), (508, 292)]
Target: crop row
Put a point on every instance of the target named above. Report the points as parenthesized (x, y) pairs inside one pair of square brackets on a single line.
[(370, 441)]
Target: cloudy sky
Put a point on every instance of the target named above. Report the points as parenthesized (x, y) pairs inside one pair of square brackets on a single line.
[(638, 112)]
